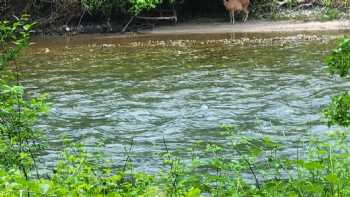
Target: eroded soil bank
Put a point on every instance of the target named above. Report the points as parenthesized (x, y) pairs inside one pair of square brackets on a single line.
[(255, 30), (253, 27)]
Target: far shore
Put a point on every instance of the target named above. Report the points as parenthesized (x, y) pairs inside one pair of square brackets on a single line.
[(201, 31), (252, 27)]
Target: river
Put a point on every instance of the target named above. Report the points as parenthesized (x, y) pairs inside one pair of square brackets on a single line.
[(114, 90)]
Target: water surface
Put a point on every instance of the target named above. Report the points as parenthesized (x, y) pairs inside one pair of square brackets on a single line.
[(182, 91)]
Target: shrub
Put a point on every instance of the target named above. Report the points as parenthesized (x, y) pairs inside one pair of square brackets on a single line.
[(20, 142), (338, 61)]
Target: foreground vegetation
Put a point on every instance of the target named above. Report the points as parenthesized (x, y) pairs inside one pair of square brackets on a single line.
[(318, 166)]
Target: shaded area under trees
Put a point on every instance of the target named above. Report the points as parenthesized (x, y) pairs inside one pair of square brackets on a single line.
[(55, 13)]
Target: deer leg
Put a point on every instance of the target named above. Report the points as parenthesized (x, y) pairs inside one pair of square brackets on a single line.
[(232, 17), (246, 16)]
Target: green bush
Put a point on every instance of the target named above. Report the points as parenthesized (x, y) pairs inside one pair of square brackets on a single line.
[(20, 142), (334, 3), (331, 14), (320, 168), (338, 61)]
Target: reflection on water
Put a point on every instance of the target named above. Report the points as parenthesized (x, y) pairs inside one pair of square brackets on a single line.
[(182, 92)]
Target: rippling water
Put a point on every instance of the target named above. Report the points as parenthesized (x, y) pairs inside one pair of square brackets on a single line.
[(182, 92)]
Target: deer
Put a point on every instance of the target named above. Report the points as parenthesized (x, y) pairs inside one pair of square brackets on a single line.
[(237, 5)]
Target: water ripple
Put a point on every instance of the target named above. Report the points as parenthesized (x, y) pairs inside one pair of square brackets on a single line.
[(182, 93)]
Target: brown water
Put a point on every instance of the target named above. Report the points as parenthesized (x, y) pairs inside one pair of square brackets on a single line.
[(113, 90)]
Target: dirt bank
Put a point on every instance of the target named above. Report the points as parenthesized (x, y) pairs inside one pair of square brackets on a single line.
[(203, 31), (251, 27)]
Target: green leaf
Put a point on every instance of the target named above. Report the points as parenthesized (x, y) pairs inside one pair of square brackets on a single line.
[(193, 192), (27, 27), (332, 178), (313, 165)]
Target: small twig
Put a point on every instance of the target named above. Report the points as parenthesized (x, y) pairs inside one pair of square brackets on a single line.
[(171, 166), (81, 17), (250, 169), (16, 17), (127, 24), (33, 158), (128, 154)]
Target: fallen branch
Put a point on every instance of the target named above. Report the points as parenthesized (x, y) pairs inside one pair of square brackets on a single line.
[(157, 18), (305, 5), (127, 24)]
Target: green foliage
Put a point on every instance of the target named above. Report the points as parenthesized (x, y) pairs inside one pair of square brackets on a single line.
[(292, 3), (334, 3), (78, 173), (134, 6), (338, 61), (327, 3), (321, 168), (331, 14), (13, 38), (338, 111), (20, 142), (104, 6)]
